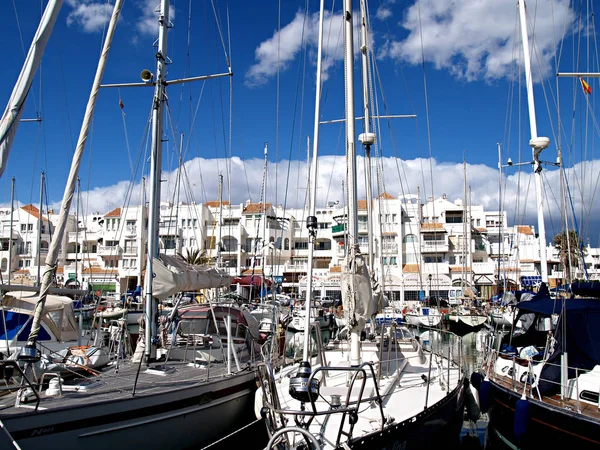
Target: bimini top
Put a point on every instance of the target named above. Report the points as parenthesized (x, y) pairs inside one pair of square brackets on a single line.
[(547, 306), (58, 313)]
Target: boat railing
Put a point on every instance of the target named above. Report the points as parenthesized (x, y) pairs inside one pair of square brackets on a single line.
[(523, 377), (349, 408), (11, 370)]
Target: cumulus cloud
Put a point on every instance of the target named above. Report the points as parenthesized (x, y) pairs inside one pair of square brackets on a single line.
[(283, 47), (478, 39), (89, 15), (401, 177), (147, 23)]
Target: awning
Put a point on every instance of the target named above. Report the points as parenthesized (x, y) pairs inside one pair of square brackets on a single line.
[(249, 280)]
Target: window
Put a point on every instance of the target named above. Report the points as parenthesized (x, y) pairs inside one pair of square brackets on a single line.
[(433, 259), (454, 216), (286, 244), (410, 238), (23, 226), (169, 242), (192, 242), (27, 263), (301, 245)]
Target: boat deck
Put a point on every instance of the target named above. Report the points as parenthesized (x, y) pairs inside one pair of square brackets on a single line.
[(584, 408), (113, 385)]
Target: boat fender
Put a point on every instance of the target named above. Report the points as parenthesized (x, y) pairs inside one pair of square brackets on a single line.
[(476, 379), (472, 402), (521, 418), (485, 395)]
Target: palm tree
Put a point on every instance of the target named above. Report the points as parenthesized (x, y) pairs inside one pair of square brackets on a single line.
[(570, 250), (194, 257)]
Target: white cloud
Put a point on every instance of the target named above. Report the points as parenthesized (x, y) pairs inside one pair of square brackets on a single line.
[(520, 202), (90, 15), (383, 13), (479, 39), (147, 23), (283, 47)]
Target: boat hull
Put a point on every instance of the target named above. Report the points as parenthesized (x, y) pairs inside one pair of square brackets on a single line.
[(439, 424), (432, 320), (546, 427), (190, 417)]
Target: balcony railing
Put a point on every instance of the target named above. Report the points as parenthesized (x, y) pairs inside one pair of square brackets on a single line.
[(112, 250), (434, 246)]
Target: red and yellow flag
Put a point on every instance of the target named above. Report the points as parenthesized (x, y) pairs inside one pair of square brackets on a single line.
[(587, 89)]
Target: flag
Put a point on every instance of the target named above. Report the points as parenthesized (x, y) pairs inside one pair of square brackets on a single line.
[(122, 105), (587, 89)]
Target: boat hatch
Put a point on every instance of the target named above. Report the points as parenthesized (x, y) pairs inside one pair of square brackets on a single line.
[(81, 385), (161, 370)]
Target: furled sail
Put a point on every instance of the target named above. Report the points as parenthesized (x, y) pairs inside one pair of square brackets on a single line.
[(357, 295), (172, 275), (16, 103)]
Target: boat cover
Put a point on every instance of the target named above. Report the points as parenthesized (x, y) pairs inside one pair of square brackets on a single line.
[(357, 295), (172, 275), (578, 328)]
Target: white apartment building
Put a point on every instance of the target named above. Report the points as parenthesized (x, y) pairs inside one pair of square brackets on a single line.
[(418, 249)]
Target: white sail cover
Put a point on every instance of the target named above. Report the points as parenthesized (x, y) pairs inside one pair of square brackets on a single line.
[(357, 296), (16, 104), (172, 275)]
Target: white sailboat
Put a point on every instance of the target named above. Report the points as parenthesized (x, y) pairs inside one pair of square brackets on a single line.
[(155, 405), (381, 393)]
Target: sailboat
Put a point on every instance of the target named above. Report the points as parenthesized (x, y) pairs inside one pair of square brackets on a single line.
[(541, 388), (384, 391), (181, 400)]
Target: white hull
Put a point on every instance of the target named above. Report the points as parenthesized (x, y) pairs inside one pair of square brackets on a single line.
[(419, 320)]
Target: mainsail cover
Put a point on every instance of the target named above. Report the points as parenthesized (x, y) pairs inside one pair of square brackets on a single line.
[(16, 103), (172, 275), (357, 295)]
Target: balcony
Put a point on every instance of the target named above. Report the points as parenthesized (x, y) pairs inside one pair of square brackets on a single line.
[(6, 234), (389, 248), (112, 250), (435, 268), (295, 267), (483, 268), (434, 246), (130, 251), (497, 249)]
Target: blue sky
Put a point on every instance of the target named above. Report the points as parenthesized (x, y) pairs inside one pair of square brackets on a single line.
[(475, 97)]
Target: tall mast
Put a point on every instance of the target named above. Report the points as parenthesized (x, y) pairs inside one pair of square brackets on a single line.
[(77, 225), (351, 158), (265, 249), (155, 175), (16, 104), (536, 143), (39, 237), (367, 138), (10, 237), (30, 351), (220, 219), (311, 220), (141, 233)]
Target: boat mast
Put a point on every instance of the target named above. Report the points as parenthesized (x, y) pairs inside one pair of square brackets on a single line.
[(367, 138), (311, 220), (155, 174), (30, 352), (536, 143), (220, 219), (265, 249), (39, 230), (10, 238), (351, 158), (141, 237), (16, 104), (77, 201)]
